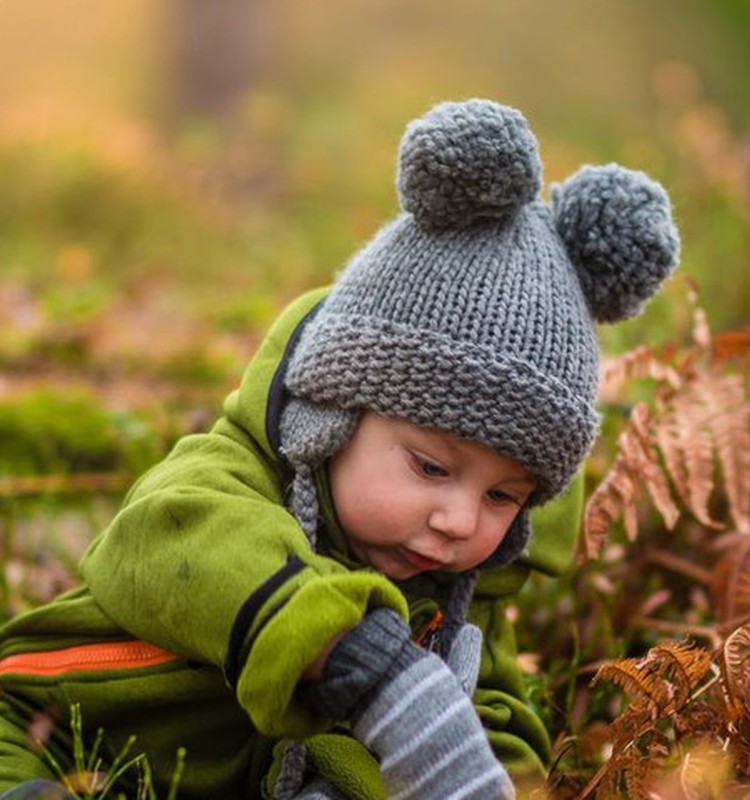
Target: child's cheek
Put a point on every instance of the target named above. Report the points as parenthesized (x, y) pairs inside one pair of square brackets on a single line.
[(485, 546)]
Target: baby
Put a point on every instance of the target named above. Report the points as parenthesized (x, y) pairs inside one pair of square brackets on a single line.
[(287, 595)]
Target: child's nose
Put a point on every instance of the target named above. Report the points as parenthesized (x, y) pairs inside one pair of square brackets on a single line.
[(457, 518)]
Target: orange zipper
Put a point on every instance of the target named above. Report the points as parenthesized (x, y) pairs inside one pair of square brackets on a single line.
[(87, 658)]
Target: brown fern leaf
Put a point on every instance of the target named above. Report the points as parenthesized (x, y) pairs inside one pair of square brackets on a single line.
[(636, 464), (626, 735), (729, 345), (644, 461), (613, 498), (638, 775), (728, 420), (686, 445), (623, 776), (730, 583), (703, 718), (610, 500), (736, 669), (640, 762), (636, 677), (636, 364), (683, 664)]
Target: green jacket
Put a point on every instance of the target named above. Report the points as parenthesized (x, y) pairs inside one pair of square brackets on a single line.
[(204, 562)]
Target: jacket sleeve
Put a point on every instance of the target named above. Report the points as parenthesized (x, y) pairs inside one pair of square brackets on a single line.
[(204, 560)]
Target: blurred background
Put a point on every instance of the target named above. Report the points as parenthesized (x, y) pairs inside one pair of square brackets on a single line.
[(172, 172)]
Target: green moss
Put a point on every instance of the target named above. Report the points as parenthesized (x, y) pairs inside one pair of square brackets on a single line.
[(46, 432)]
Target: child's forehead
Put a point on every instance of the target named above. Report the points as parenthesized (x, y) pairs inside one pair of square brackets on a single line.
[(439, 437), (401, 425)]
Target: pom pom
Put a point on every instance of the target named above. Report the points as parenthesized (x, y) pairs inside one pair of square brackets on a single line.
[(618, 230), (467, 162)]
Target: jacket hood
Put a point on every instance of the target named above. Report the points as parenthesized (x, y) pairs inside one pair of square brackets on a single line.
[(255, 407)]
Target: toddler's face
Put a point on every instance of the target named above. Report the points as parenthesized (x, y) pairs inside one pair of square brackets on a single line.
[(413, 499)]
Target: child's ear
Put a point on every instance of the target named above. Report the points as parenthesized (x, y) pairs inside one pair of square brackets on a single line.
[(617, 227)]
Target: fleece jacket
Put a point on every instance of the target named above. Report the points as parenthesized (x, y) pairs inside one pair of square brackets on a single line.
[(203, 602)]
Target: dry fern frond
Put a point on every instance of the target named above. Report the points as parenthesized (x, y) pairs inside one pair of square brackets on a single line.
[(638, 774), (728, 420), (686, 444), (637, 463), (614, 497), (711, 414), (639, 750), (705, 717), (665, 677), (649, 467), (661, 686), (700, 416), (730, 583), (736, 670), (682, 664), (637, 364), (637, 759), (637, 677)]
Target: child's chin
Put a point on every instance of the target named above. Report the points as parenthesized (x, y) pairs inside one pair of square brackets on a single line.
[(399, 571), (403, 575)]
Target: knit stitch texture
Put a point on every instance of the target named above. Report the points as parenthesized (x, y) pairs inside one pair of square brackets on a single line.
[(429, 740), (473, 312)]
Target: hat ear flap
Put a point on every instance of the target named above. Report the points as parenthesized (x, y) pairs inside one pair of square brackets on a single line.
[(617, 227), (311, 433)]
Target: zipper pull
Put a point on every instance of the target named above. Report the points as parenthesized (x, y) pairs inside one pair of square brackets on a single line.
[(429, 636)]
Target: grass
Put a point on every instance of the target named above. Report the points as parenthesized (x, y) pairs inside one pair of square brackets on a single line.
[(92, 779)]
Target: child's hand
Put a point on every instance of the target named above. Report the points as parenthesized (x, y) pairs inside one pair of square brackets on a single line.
[(410, 710), (314, 672), (430, 742)]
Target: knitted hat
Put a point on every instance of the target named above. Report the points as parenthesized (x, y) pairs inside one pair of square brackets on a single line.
[(473, 311)]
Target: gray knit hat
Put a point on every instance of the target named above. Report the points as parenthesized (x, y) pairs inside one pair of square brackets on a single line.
[(473, 311)]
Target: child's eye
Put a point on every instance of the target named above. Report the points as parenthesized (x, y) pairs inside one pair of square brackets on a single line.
[(499, 496), (430, 468)]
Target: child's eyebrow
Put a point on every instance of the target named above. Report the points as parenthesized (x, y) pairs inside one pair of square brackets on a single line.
[(435, 439), (524, 482), (453, 446)]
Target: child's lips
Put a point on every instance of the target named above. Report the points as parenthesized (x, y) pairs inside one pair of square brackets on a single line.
[(420, 562)]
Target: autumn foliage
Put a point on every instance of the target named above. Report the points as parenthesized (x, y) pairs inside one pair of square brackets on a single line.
[(670, 447), (681, 469)]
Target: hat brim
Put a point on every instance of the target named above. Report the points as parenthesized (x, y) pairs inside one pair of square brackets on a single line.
[(457, 387)]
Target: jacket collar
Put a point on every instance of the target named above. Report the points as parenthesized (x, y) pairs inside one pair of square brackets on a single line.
[(278, 394)]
